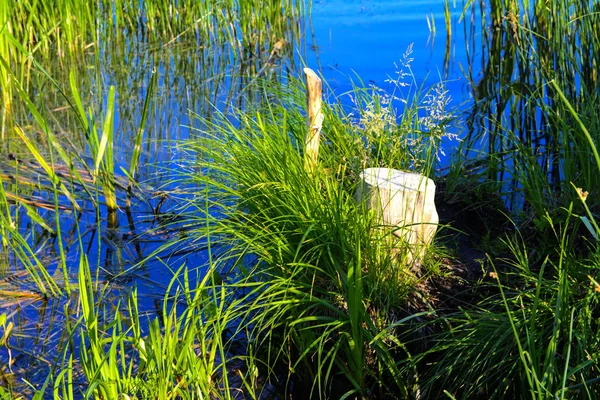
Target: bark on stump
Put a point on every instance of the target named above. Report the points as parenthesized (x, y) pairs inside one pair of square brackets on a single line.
[(404, 202)]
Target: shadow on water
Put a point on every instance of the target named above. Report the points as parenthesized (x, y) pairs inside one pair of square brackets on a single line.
[(108, 197)]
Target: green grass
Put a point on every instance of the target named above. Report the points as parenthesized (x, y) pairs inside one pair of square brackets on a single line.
[(305, 294), (534, 105), (529, 329), (322, 288), (60, 138), (216, 48), (534, 338)]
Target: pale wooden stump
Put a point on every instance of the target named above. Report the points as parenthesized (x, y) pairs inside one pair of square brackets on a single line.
[(314, 119), (404, 202)]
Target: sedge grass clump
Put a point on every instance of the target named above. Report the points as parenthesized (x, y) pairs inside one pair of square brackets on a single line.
[(322, 292), (534, 335), (539, 86), (532, 329), (179, 352)]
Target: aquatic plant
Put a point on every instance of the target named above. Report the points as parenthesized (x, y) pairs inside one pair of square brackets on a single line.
[(535, 66), (528, 327), (61, 167), (532, 337)]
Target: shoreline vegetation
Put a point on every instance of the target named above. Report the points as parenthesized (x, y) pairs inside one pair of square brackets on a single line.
[(269, 280)]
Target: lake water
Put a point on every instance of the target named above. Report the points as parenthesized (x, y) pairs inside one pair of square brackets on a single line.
[(345, 41), (366, 39)]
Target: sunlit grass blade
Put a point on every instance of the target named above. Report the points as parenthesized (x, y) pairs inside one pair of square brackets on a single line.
[(575, 115), (47, 168), (105, 154), (135, 157)]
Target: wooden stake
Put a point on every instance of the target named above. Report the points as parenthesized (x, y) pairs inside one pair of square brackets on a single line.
[(314, 119)]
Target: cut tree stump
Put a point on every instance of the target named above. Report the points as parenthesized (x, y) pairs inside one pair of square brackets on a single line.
[(404, 202)]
